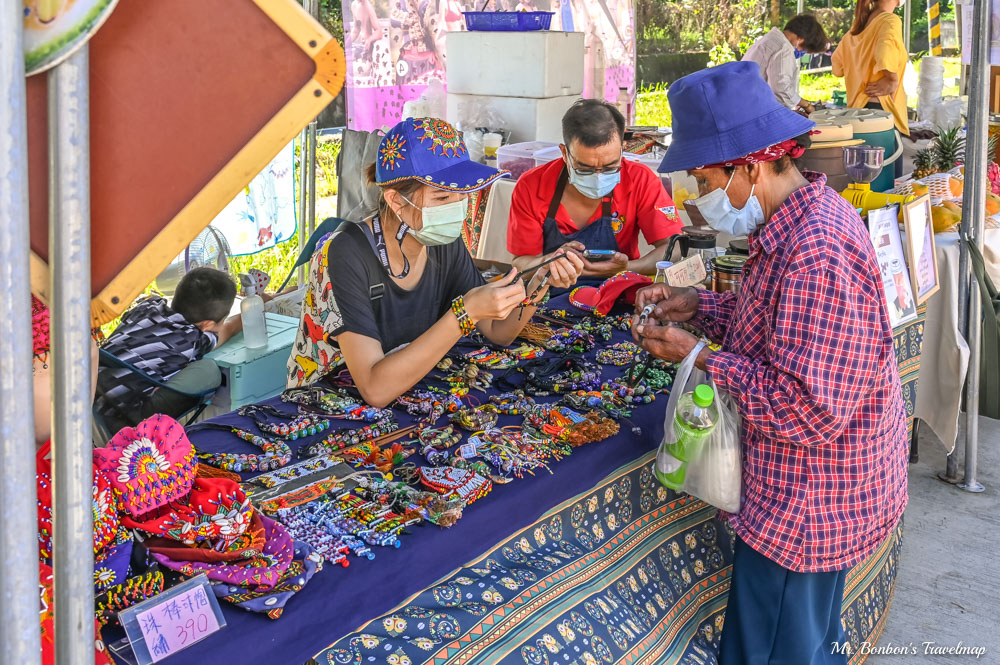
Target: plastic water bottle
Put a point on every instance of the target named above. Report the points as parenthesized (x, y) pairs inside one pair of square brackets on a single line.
[(661, 271), (694, 421), (254, 326)]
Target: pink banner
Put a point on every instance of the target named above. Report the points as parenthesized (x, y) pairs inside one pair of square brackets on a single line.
[(394, 47)]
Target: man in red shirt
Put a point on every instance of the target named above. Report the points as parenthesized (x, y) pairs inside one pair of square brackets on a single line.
[(591, 199)]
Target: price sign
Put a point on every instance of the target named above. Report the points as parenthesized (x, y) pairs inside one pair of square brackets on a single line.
[(689, 272), (172, 621)]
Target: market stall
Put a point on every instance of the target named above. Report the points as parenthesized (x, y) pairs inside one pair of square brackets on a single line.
[(596, 561)]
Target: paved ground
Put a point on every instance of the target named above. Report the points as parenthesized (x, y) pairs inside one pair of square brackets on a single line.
[(948, 589)]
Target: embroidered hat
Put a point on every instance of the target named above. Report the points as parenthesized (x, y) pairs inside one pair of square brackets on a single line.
[(214, 515), (271, 601), (602, 299), (723, 113), (433, 152), (107, 526), (150, 465), (112, 566), (263, 569)]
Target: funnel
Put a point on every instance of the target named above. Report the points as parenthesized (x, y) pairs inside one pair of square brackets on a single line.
[(863, 162)]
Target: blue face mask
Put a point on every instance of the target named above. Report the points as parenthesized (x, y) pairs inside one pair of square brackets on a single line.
[(595, 185), (799, 54)]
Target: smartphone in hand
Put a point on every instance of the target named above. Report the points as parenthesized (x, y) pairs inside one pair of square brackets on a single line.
[(596, 255)]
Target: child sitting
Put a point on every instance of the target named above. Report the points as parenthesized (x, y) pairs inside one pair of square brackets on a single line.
[(168, 343)]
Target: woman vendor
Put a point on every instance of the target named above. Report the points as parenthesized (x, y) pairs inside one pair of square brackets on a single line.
[(807, 357), (872, 59), (591, 199), (391, 295)]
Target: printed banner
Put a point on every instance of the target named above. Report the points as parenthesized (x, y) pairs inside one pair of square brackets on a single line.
[(263, 214), (395, 47)]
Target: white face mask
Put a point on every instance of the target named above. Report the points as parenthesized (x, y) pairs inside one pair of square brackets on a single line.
[(442, 224), (721, 215)]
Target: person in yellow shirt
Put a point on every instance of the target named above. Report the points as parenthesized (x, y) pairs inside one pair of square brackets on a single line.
[(872, 58)]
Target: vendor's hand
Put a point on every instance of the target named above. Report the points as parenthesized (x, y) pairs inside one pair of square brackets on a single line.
[(495, 300), (669, 343), (806, 107), (562, 273), (672, 303), (883, 87), (609, 268)]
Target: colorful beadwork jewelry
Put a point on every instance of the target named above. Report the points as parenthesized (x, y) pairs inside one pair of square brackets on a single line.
[(464, 484), (295, 471), (465, 324), (619, 354), (343, 438), (131, 592), (486, 357), (571, 340), (276, 453), (474, 419), (300, 426)]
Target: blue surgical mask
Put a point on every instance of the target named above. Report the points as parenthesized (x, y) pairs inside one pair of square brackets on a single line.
[(721, 215), (799, 54), (595, 185), (442, 224)]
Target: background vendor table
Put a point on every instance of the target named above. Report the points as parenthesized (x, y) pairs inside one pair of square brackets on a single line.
[(578, 557), (943, 368)]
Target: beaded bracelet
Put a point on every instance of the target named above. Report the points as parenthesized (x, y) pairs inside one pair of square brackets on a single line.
[(343, 438), (465, 324), (299, 470), (276, 453), (619, 354), (302, 425)]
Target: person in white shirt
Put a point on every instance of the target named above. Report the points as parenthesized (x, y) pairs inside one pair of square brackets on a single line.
[(778, 54)]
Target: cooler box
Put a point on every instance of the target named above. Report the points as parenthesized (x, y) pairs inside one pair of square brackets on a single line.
[(527, 118), (250, 376), (515, 64)]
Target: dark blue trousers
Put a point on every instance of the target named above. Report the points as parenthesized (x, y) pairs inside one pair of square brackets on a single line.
[(779, 617)]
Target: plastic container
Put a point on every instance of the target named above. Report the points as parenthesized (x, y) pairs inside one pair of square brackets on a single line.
[(624, 103), (507, 21), (254, 327), (661, 271), (519, 158), (547, 155), (695, 419), (491, 143)]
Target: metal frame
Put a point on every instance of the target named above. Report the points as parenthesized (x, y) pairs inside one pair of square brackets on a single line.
[(282, 128), (19, 627)]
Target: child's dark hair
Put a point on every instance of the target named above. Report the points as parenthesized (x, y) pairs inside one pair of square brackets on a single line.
[(204, 294), (814, 39)]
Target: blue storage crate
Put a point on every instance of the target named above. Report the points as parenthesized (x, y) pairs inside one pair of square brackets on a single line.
[(507, 21), (250, 376)]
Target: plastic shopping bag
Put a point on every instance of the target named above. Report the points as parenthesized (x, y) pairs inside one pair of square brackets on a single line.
[(706, 463)]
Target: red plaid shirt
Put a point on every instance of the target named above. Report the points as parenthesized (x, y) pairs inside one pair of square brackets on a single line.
[(807, 353)]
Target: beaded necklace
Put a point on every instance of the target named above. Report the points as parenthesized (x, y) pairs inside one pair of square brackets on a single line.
[(571, 340), (343, 438), (332, 403), (405, 499), (486, 357), (435, 442), (567, 375), (601, 330), (276, 453), (637, 394), (619, 354), (295, 471), (301, 425), (473, 419), (512, 403)]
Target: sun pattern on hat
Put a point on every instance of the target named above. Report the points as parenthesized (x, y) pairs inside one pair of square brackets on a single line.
[(392, 151), (441, 135)]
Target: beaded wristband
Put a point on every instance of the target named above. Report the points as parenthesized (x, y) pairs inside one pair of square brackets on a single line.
[(465, 324)]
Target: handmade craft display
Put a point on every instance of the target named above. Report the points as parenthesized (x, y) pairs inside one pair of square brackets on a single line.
[(275, 453)]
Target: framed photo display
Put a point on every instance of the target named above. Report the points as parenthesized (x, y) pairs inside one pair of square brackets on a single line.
[(920, 249), (883, 226)]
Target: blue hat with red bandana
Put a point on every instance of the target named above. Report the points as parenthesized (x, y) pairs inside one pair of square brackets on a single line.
[(433, 152), (725, 113)]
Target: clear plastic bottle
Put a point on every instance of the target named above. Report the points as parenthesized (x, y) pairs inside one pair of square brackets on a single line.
[(661, 271), (254, 326), (624, 104), (694, 421)]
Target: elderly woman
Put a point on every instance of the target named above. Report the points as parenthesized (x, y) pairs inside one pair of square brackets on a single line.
[(807, 356), (391, 295)]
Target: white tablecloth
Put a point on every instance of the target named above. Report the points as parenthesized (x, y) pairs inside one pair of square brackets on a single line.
[(945, 358)]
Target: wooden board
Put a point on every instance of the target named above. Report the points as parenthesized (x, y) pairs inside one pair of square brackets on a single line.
[(189, 100)]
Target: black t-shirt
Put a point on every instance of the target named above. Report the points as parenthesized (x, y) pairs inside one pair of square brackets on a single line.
[(403, 315)]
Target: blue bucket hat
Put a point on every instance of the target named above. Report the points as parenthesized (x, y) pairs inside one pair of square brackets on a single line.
[(724, 113), (433, 152)]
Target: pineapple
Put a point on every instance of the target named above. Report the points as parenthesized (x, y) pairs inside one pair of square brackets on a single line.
[(923, 163), (949, 149)]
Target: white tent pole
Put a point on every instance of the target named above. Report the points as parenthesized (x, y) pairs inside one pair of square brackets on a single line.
[(973, 216), (19, 628), (72, 395)]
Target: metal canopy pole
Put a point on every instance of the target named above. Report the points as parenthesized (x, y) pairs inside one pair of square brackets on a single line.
[(303, 208), (19, 628), (906, 24), (313, 7), (72, 396), (800, 6), (974, 207)]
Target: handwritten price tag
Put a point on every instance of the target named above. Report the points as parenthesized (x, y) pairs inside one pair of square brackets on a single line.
[(689, 272), (172, 621)]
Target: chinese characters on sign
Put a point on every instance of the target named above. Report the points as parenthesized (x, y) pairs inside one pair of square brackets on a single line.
[(177, 622)]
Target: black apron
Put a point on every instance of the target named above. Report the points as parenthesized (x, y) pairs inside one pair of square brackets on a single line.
[(599, 234)]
